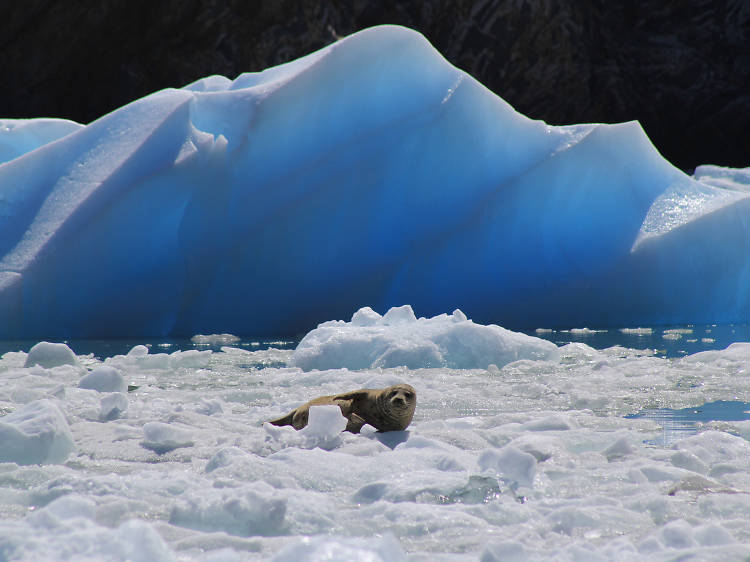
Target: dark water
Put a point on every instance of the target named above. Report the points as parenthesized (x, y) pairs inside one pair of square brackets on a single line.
[(109, 348), (665, 341), (677, 424)]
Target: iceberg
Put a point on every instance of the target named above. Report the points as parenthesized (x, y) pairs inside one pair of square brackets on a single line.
[(369, 173)]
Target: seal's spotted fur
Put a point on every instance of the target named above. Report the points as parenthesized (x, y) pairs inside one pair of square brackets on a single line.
[(386, 409)]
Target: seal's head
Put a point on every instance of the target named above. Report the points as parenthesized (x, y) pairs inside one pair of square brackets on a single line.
[(395, 406)]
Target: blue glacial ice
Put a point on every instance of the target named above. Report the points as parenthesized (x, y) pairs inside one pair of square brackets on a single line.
[(369, 173)]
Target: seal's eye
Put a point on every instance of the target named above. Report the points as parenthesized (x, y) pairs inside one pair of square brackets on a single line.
[(408, 395)]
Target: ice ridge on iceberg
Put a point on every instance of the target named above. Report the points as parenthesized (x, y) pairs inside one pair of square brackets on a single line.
[(371, 172)]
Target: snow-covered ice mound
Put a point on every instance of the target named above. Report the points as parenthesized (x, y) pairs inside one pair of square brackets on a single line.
[(48, 355), (398, 338), (369, 172), (37, 433), (104, 379), (163, 437)]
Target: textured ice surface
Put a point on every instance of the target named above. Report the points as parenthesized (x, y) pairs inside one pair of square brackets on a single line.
[(400, 339), (371, 172), (737, 179), (532, 460), (37, 433), (19, 136)]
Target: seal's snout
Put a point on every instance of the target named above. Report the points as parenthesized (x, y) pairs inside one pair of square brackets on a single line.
[(401, 397)]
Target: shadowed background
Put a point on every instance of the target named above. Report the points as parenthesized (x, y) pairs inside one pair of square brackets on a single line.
[(681, 68)]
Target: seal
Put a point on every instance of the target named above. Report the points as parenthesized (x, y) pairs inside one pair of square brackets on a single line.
[(385, 409)]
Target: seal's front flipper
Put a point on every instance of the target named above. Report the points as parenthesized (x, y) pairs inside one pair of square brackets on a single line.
[(355, 423)]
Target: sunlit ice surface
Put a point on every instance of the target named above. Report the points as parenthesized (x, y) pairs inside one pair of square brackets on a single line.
[(561, 452)]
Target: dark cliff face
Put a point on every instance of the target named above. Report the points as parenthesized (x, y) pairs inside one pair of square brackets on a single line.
[(681, 68)]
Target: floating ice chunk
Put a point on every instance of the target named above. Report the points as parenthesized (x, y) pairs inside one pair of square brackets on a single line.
[(224, 457), (190, 359), (163, 437), (48, 355), (713, 534), (512, 464), (399, 339), (68, 507), (549, 423), (677, 534), (37, 433), (103, 378), (139, 350), (140, 542), (568, 519), (619, 450), (583, 331), (214, 339), (323, 549), (140, 358), (509, 551), (244, 512), (370, 493), (637, 331), (209, 407), (738, 351), (324, 427), (689, 461), (113, 405), (66, 529), (656, 473)]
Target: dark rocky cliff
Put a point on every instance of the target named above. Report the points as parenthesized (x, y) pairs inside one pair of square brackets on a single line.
[(681, 68)]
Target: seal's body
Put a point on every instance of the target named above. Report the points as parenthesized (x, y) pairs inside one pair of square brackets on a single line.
[(385, 409)]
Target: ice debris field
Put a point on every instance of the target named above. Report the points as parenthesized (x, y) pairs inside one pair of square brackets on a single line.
[(371, 173), (519, 450)]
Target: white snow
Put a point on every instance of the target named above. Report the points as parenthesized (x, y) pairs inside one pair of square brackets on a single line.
[(530, 460), (231, 206)]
